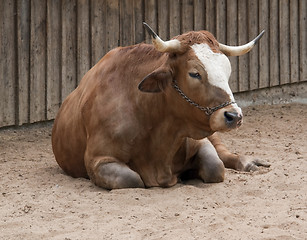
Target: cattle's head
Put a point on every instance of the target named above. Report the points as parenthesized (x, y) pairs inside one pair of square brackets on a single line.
[(197, 72)]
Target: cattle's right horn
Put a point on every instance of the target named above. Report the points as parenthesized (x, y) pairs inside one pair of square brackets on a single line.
[(163, 46), (240, 50)]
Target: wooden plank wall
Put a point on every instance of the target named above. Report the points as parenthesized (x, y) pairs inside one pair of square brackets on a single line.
[(48, 45)]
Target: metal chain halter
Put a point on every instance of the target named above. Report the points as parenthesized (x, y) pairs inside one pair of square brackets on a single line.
[(207, 110)]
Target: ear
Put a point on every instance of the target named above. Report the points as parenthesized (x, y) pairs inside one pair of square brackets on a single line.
[(155, 81)]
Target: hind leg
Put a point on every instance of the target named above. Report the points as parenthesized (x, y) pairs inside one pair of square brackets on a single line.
[(109, 173), (210, 167)]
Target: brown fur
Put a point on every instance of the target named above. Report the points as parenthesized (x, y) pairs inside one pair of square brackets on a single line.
[(118, 136), (190, 38)]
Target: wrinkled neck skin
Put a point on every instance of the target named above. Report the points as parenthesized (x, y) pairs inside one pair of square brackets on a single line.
[(165, 135)]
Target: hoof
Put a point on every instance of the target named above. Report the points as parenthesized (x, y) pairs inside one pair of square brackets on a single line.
[(251, 166), (255, 164)]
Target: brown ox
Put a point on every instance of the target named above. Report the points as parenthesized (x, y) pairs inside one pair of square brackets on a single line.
[(145, 115)]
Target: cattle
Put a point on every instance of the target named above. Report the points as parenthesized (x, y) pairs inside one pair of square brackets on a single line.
[(147, 115)]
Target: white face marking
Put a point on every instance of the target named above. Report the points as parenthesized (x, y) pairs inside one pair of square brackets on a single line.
[(218, 68), (216, 65)]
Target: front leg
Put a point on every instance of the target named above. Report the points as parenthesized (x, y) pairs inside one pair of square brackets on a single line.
[(234, 161)]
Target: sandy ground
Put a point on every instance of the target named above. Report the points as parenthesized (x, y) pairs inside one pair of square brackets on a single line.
[(38, 201)]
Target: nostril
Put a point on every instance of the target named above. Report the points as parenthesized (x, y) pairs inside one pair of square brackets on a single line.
[(230, 116)]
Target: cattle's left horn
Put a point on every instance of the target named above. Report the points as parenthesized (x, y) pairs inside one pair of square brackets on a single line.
[(240, 50), (163, 46)]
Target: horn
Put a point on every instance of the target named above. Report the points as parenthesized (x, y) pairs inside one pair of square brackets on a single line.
[(239, 50), (162, 46)]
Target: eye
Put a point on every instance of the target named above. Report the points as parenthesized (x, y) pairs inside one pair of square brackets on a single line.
[(195, 75)]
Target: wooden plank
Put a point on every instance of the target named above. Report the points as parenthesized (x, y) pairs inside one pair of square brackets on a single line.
[(98, 15), (303, 40), (23, 33), (187, 17), (3, 65), (232, 40), (112, 24), (294, 41), (163, 19), (243, 38), (274, 42), (53, 57), (211, 16), (83, 38), (221, 21), (175, 15), (126, 23), (151, 17), (264, 56), (7, 63), (69, 47), (138, 19), (284, 29), (38, 52), (199, 15), (253, 55)]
